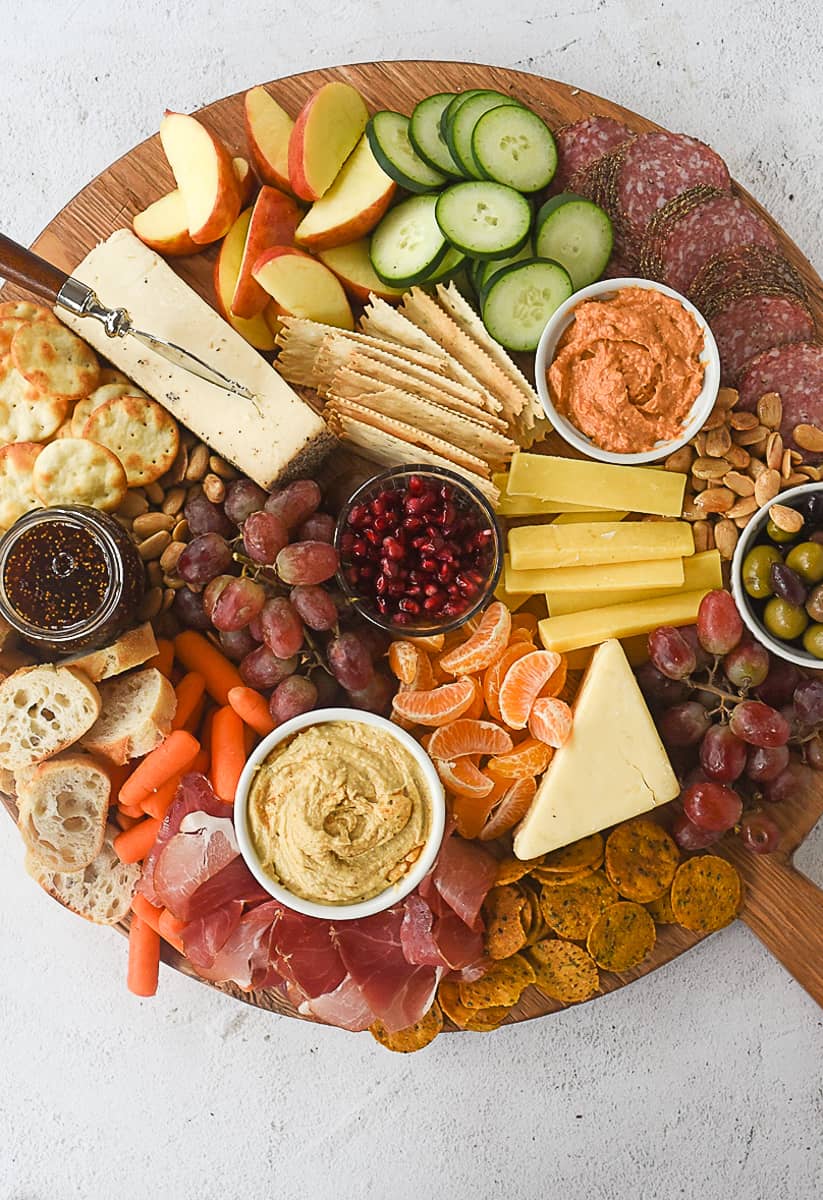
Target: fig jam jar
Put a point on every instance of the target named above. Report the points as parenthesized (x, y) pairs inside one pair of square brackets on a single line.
[(70, 579)]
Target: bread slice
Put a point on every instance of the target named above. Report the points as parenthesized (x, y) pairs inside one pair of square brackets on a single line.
[(130, 650), (101, 892), (137, 714), (62, 808), (44, 710), (8, 784)]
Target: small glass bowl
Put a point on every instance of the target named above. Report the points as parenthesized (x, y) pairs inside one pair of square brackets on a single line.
[(467, 498)]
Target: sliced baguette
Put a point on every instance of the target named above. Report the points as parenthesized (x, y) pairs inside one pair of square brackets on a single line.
[(130, 650), (43, 710), (101, 892), (62, 808), (137, 714)]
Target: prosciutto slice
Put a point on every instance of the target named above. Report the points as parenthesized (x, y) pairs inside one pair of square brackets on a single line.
[(244, 957), (194, 795), (233, 882), (205, 936), (345, 1007), (463, 874), (438, 939), (203, 845), (303, 952)]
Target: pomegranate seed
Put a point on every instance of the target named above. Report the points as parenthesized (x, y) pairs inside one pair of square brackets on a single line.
[(397, 589), (393, 548), (409, 606), (412, 524)]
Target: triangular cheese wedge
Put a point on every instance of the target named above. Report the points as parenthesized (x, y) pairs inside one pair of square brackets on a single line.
[(612, 767)]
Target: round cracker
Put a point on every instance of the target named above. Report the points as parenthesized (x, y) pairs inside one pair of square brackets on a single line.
[(78, 471), (706, 893), (27, 414), (64, 431), (621, 937), (571, 910), (568, 860), (26, 310), (106, 391), (17, 494), (501, 986), (415, 1037), (140, 432), (504, 912), (564, 971), (112, 375), (641, 860), (53, 358), (8, 328), (476, 1020)]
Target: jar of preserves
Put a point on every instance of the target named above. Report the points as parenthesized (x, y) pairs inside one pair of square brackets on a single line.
[(70, 579)]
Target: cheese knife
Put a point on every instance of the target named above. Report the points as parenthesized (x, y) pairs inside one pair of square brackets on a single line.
[(43, 279)]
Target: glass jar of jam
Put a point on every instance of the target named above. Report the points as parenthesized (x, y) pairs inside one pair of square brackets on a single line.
[(70, 579)]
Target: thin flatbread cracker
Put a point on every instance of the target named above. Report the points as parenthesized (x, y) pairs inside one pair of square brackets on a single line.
[(301, 341), (387, 367)]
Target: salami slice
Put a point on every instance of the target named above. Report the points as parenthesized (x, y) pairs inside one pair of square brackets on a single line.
[(795, 372), (693, 229), (579, 144), (744, 271), (751, 323)]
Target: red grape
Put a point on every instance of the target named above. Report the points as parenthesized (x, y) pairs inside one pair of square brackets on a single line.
[(243, 497), (375, 640), (702, 658), (759, 833), (722, 755), (281, 626), (294, 503), (318, 528), (262, 669), (712, 806), (808, 703), (375, 696), (766, 763), (236, 643), (782, 679), (671, 653), (188, 608), (350, 661), (658, 689), (314, 606), (238, 603), (212, 591), (292, 697), (307, 562), (256, 629), (328, 689), (264, 536), (719, 625), (778, 791), (814, 752), (204, 517), (758, 724), (747, 665), (207, 555), (684, 724), (689, 837)]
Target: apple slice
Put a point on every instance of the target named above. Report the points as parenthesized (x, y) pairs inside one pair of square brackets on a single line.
[(245, 178), (352, 266), (226, 270), (303, 287), (203, 171), (324, 135), (164, 226), (268, 129), (274, 218), (352, 206)]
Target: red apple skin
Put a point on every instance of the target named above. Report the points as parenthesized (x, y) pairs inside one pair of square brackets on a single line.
[(226, 207), (300, 184), (256, 331), (246, 179), (266, 168), (355, 228), (176, 245), (274, 218)]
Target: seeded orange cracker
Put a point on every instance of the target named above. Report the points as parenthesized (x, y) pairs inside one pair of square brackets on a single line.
[(706, 893), (509, 870), (641, 859), (503, 984), (572, 910), (140, 432), (587, 852), (476, 1020), (621, 937), (53, 358), (503, 910), (415, 1037), (661, 909), (17, 494), (556, 879), (564, 971), (27, 413), (534, 925)]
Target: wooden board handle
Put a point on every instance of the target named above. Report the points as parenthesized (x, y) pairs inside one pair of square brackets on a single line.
[(28, 270), (786, 913)]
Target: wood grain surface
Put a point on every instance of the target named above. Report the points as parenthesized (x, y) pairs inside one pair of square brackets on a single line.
[(783, 908)]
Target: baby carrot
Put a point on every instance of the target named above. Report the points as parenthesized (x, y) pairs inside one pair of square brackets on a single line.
[(196, 653), (172, 757), (159, 802), (193, 723), (188, 691), (170, 926), (144, 958), (124, 821), (252, 708), (134, 844), (228, 755), (206, 727), (164, 658), (147, 911)]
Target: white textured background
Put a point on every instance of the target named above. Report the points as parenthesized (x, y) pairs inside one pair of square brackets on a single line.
[(703, 1080)]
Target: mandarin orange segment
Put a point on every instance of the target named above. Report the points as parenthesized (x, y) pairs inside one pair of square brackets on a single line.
[(525, 620), (557, 681), (522, 683), (523, 635), (471, 812), (437, 706), (496, 672), (411, 665), (478, 706), (529, 758), (464, 737), (433, 643), (484, 646), (509, 809), (463, 777), (550, 720)]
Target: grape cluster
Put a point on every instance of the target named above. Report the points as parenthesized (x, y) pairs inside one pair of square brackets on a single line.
[(259, 574), (728, 712)]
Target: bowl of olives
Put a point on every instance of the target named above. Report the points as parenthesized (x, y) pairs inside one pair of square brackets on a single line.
[(777, 575)]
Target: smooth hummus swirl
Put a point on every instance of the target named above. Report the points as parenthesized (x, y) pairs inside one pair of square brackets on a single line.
[(339, 812)]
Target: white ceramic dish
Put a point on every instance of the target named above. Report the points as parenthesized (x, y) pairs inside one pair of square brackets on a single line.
[(366, 908), (547, 345), (746, 541)]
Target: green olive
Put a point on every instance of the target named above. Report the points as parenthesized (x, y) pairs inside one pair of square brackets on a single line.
[(806, 559), (783, 620), (756, 568), (814, 603), (777, 534), (813, 640)]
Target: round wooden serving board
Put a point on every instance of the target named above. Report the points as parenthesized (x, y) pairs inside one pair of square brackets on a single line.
[(782, 907)]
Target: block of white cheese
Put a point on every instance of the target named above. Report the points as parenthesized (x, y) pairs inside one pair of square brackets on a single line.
[(277, 439), (612, 767)]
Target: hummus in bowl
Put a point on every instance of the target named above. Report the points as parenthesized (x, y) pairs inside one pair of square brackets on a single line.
[(339, 813)]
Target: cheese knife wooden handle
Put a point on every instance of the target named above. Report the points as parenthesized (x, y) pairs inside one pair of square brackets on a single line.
[(25, 268)]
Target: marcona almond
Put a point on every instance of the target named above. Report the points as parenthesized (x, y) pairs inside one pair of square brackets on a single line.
[(148, 523), (795, 480), (134, 504), (702, 531), (718, 442), (767, 486), (697, 484), (680, 460), (715, 500), (796, 456), (709, 468), (690, 510), (808, 437), (756, 468), (154, 573), (742, 522), (174, 582), (699, 443), (751, 435), (741, 484), (168, 599), (154, 546), (725, 537), (770, 410), (150, 604), (809, 472), (174, 501), (774, 451), (177, 471), (743, 420), (786, 465), (785, 518), (181, 531), (198, 462), (738, 456), (744, 507), (726, 397), (214, 488), (716, 419), (171, 556), (155, 493), (220, 467)]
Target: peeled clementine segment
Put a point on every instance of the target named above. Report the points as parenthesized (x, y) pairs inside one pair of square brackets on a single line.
[(523, 636), (471, 812), (411, 665), (550, 720), (478, 705), (484, 645), (437, 706), (557, 681), (522, 683), (509, 809), (529, 758), (434, 642), (463, 777), (496, 672), (525, 620), (463, 737)]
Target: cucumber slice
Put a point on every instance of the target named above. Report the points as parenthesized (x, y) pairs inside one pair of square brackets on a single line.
[(449, 265), (388, 134), (408, 243), (460, 129), (490, 269), (476, 269), (513, 146), (425, 135), (447, 115), (576, 233), (484, 219), (520, 300)]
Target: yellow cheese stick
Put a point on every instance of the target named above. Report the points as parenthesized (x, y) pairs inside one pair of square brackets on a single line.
[(533, 547), (573, 481), (511, 601), (641, 577), (636, 649), (531, 506), (700, 571), (590, 518), (618, 621)]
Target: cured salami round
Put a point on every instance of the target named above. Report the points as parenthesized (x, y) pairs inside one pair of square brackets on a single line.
[(795, 372), (579, 144), (751, 323), (740, 272)]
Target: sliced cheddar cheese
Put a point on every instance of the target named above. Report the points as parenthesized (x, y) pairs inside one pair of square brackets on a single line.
[(573, 481), (589, 518), (530, 506), (533, 547), (666, 573), (703, 571), (619, 620)]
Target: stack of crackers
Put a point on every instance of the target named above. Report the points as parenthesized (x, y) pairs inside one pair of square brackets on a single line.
[(424, 382)]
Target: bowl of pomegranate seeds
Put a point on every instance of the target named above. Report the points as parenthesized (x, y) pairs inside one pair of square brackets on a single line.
[(420, 550)]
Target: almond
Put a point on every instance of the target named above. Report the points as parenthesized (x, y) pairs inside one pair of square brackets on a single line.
[(710, 468), (148, 523), (744, 507), (718, 442), (198, 462), (774, 451), (785, 518), (680, 460), (808, 437), (702, 531), (743, 420), (738, 456), (715, 500), (741, 484), (767, 486), (726, 398), (770, 410), (786, 465), (725, 537), (715, 420), (751, 435)]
